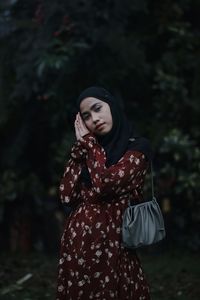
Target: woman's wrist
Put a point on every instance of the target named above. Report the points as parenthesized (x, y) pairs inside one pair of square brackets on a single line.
[(78, 152), (88, 141)]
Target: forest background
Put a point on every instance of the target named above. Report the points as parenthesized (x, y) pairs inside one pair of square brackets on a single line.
[(147, 53)]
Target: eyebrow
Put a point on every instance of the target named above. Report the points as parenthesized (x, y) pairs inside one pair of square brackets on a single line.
[(91, 107)]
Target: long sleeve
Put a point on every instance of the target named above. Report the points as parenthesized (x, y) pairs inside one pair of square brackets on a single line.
[(69, 188), (124, 176)]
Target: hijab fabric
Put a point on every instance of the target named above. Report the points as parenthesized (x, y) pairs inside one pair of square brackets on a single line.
[(122, 136)]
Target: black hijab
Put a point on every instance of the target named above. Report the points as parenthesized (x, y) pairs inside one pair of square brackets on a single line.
[(122, 136)]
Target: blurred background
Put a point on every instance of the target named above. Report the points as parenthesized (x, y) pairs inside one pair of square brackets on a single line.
[(147, 53)]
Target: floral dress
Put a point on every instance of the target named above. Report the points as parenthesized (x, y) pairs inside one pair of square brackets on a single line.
[(94, 263)]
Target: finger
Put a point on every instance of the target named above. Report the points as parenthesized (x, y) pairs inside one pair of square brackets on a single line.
[(82, 129), (81, 119), (77, 121), (81, 122), (75, 125), (80, 133), (78, 136), (77, 133)]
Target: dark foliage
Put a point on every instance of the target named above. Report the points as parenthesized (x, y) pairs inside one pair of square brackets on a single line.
[(146, 53)]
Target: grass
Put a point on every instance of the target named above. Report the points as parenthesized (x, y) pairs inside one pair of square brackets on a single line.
[(172, 275), (40, 286)]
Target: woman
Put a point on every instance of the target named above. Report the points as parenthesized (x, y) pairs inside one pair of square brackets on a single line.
[(106, 169)]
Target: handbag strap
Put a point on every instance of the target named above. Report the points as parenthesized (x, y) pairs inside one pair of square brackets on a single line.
[(152, 183)]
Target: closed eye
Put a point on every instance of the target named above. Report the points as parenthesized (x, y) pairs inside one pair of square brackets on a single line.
[(97, 108), (85, 117)]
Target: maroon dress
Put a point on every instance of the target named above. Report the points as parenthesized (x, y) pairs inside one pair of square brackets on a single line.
[(94, 263)]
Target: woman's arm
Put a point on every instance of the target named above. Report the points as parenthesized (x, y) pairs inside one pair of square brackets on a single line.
[(69, 187), (124, 176)]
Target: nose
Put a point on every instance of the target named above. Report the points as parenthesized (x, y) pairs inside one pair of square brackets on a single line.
[(95, 117)]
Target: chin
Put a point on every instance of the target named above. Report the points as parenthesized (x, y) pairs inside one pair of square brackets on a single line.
[(102, 133)]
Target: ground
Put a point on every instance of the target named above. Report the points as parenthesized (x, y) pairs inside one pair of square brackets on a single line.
[(173, 274)]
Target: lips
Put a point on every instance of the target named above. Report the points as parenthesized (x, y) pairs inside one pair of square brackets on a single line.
[(99, 125)]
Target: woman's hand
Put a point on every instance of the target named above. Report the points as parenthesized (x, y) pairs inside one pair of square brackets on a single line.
[(80, 128)]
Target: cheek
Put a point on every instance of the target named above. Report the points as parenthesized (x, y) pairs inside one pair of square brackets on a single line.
[(111, 124), (89, 126), (109, 118)]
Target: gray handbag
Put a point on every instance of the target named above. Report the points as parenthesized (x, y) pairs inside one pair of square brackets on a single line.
[(143, 223)]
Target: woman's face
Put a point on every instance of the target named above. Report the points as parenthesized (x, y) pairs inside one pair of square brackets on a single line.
[(96, 115)]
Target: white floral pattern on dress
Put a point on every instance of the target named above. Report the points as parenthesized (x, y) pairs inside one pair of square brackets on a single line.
[(93, 258)]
